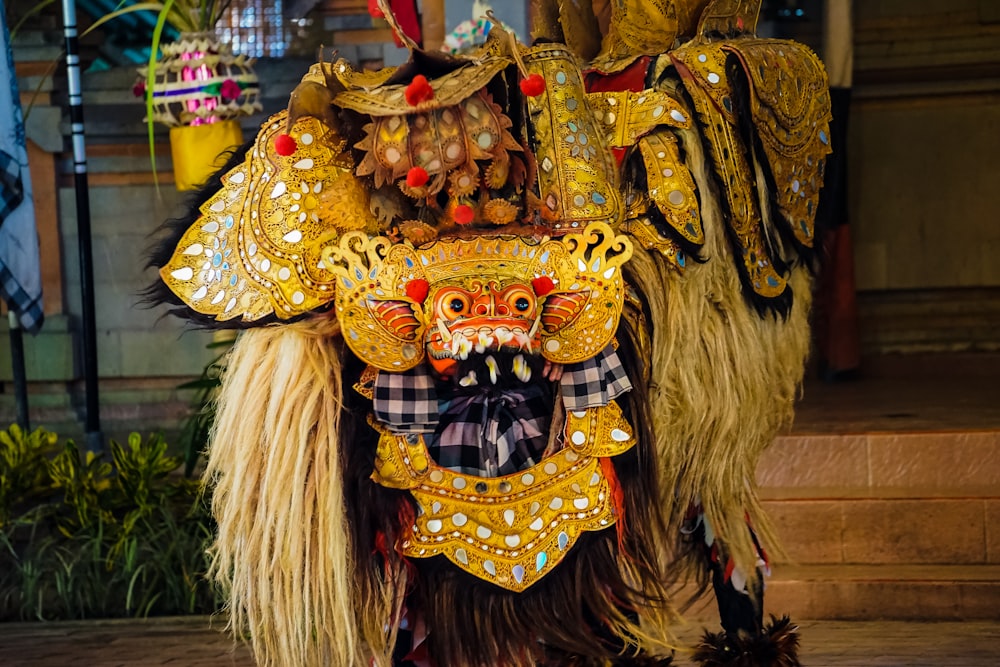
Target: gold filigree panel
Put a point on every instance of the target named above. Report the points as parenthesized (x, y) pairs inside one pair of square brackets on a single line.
[(515, 529), (626, 116), (577, 178), (702, 67), (257, 247), (671, 186), (790, 104)]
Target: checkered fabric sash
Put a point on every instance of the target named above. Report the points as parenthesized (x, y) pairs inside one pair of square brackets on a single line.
[(595, 382), (406, 402), (491, 433), (482, 430), (28, 308), (11, 186)]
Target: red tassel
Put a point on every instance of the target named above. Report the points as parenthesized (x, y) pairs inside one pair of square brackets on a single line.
[(417, 289), (617, 499), (533, 85), (417, 177), (542, 285), (463, 214)]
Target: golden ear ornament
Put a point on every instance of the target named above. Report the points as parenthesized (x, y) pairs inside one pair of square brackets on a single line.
[(256, 249)]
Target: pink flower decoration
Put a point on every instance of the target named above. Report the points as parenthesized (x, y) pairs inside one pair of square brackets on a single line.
[(230, 90)]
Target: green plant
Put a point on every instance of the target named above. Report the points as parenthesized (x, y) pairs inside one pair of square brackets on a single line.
[(103, 539), (23, 469)]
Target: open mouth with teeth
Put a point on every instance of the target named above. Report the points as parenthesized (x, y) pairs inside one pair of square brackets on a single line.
[(450, 343)]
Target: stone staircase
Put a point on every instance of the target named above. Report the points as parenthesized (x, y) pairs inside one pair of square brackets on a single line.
[(886, 495), (886, 525)]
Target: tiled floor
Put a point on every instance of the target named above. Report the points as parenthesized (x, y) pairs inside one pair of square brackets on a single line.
[(193, 642)]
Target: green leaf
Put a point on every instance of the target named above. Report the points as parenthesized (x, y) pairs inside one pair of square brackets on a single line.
[(150, 80)]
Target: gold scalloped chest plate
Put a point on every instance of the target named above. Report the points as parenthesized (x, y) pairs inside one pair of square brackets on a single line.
[(512, 530)]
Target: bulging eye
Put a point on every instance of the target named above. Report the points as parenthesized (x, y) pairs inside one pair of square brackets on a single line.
[(519, 300), (452, 303)]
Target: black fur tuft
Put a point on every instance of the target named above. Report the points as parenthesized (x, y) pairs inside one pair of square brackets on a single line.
[(776, 646)]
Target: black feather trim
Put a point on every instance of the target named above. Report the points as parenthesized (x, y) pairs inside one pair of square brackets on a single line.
[(776, 646)]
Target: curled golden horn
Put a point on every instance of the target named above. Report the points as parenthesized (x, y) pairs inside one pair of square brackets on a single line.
[(390, 18)]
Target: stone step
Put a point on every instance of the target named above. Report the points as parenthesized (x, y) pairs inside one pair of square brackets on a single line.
[(889, 531), (959, 463), (898, 592), (873, 592)]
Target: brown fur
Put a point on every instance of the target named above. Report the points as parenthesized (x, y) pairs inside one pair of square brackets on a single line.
[(722, 379)]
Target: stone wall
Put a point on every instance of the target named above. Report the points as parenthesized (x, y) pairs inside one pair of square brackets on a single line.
[(924, 140), (143, 354)]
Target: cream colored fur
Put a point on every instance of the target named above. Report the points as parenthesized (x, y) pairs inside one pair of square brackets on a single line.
[(723, 378), (283, 551)]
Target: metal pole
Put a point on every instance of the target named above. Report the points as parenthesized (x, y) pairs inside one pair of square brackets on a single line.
[(17, 366), (95, 441)]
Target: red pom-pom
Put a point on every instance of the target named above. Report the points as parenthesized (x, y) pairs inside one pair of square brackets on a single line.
[(419, 91), (285, 145), (463, 214), (417, 177), (417, 289), (533, 85), (139, 89), (542, 285)]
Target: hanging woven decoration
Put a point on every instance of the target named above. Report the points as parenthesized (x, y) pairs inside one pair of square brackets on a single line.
[(200, 91)]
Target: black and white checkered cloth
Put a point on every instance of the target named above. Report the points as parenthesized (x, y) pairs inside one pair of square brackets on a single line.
[(490, 433), (595, 382), (485, 431), (407, 402), (11, 185), (20, 272)]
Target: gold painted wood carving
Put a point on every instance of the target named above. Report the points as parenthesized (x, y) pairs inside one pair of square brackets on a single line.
[(702, 67), (671, 186), (790, 105), (626, 116), (257, 248), (515, 529), (577, 176)]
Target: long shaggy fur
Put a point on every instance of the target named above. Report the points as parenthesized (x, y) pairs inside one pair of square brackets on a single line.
[(306, 542), (283, 552), (722, 378), (776, 646)]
